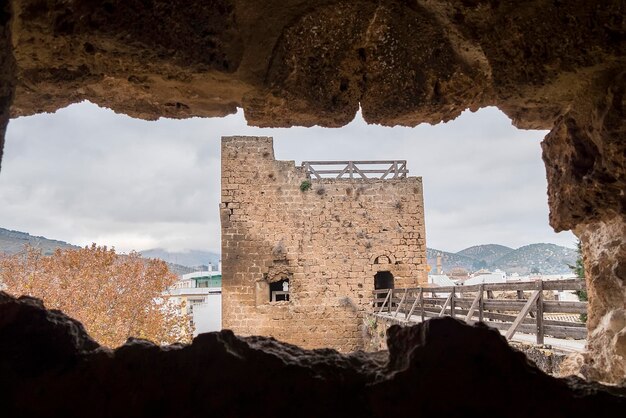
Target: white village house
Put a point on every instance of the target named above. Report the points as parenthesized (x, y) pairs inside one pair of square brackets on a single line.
[(201, 294)]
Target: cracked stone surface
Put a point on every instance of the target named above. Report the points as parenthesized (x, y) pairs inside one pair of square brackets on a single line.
[(302, 63), (604, 253), (547, 64), (50, 367)]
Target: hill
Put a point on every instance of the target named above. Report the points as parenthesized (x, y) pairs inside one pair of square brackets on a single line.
[(193, 258), (12, 242), (450, 260), (487, 253), (179, 270), (542, 258)]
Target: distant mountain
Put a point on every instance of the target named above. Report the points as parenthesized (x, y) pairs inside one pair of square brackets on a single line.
[(12, 242), (179, 270), (542, 258), (193, 258), (487, 253), (450, 260)]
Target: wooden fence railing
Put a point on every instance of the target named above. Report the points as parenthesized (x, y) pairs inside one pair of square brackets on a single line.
[(350, 169), (512, 307)]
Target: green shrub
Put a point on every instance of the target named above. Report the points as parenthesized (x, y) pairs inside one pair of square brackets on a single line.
[(305, 185)]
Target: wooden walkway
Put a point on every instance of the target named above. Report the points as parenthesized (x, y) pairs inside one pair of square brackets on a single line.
[(509, 307)]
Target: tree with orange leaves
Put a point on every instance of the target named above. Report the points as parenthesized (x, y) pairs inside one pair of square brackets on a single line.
[(114, 296)]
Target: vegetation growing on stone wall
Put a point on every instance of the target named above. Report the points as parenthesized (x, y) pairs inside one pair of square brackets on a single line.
[(373, 334), (305, 185)]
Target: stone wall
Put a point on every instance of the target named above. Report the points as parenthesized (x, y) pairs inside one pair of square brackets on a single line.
[(329, 241), (375, 332)]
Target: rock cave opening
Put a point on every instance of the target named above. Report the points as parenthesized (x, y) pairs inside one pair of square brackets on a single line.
[(546, 64), (91, 124)]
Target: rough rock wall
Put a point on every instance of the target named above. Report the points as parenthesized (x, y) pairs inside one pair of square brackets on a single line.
[(301, 62), (547, 64), (329, 241), (585, 157), (605, 266), (49, 367), (375, 339), (7, 71)]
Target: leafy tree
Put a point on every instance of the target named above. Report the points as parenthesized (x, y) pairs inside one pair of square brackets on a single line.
[(579, 270), (114, 296), (579, 267)]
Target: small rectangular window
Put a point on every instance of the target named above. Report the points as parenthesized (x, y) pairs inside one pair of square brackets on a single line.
[(279, 291)]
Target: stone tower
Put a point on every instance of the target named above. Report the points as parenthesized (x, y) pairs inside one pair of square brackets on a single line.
[(299, 263)]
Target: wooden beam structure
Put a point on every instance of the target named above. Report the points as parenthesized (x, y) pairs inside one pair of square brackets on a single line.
[(506, 306), (518, 320), (393, 169)]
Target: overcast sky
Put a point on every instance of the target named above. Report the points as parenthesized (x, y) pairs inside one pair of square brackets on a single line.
[(85, 174)]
